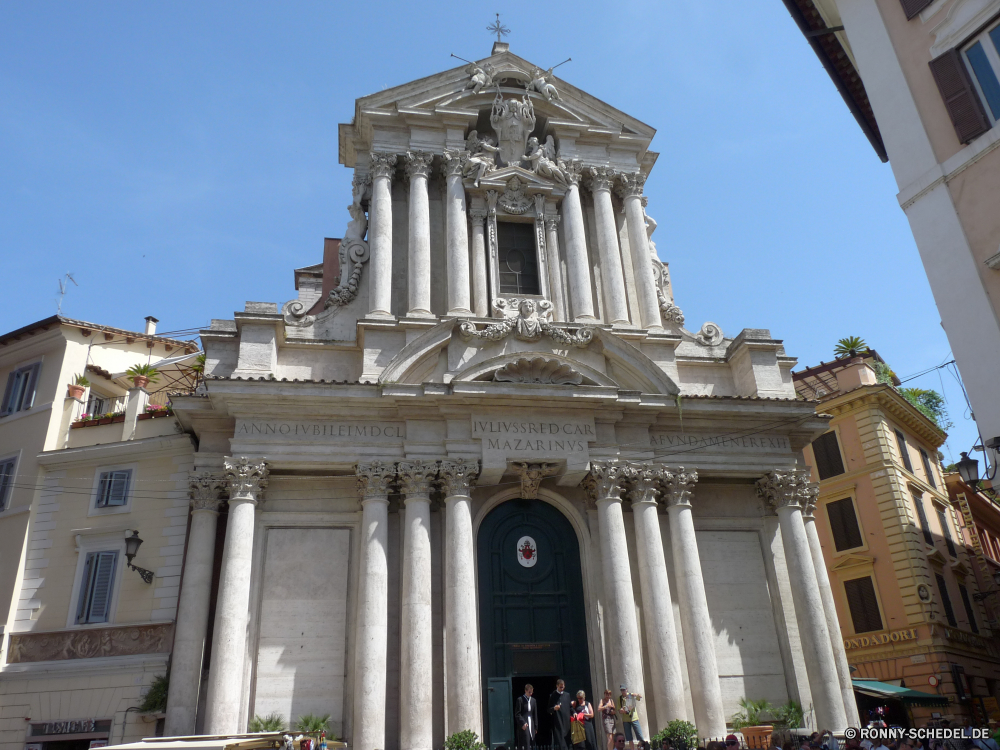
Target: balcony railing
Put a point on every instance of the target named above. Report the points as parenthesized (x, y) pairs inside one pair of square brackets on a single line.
[(98, 405)]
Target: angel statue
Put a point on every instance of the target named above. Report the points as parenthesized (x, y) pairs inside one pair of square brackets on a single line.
[(481, 76), (650, 227), (542, 163), (539, 84), (482, 156)]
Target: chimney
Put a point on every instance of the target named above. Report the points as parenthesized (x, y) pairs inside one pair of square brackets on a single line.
[(856, 374), (151, 325)]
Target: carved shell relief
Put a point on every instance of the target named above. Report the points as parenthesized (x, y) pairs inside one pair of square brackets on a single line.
[(538, 370)]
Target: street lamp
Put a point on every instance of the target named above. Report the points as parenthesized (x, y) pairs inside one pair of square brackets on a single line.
[(968, 468), (132, 544)]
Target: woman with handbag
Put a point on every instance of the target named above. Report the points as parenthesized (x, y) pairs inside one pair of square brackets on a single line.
[(587, 739), (609, 717)]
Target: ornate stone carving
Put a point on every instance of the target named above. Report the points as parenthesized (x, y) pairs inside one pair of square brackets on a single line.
[(609, 479), (417, 163), (784, 488), (644, 482), (538, 370), (512, 121), (532, 476), (650, 227), (247, 478), (416, 477), (375, 478), (480, 77), (458, 477), (478, 215), (600, 178), (539, 82), (809, 493), (552, 223), (514, 200), (541, 158), (90, 643), (572, 170), (669, 312), (482, 156), (709, 335), (678, 485), (528, 320), (454, 162), (205, 489), (630, 184), (382, 165)]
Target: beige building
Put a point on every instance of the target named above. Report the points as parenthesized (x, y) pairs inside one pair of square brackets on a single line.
[(907, 591), (921, 77), (72, 488)]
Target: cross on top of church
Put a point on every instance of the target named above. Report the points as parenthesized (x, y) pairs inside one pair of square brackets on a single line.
[(498, 28)]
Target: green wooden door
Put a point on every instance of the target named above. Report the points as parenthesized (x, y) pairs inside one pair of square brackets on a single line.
[(500, 712), (531, 608)]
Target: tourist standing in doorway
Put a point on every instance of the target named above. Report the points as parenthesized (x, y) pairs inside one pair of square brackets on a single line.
[(628, 707), (526, 719), (560, 709), (582, 706), (608, 717)]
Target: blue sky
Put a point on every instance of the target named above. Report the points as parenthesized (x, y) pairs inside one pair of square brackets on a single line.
[(181, 158)]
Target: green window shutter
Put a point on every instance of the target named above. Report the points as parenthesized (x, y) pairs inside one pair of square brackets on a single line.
[(946, 600), (969, 611), (113, 488), (912, 7), (927, 468), (826, 449), (960, 96), (904, 451), (946, 530), (918, 503), (96, 588), (863, 603), (844, 524)]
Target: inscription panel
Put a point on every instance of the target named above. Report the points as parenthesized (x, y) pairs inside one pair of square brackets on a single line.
[(326, 431), (523, 437), (664, 442)]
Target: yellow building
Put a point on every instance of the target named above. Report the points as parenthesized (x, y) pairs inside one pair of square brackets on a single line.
[(902, 578)]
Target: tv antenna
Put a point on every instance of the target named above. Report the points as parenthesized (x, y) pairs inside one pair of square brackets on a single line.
[(63, 288)]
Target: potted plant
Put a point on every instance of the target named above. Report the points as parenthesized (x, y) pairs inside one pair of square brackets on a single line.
[(78, 386), (273, 722), (748, 721), (681, 734), (787, 717), (106, 419), (156, 410), (142, 375)]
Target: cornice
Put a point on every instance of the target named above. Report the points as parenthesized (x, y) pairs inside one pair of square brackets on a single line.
[(890, 401), (154, 447)]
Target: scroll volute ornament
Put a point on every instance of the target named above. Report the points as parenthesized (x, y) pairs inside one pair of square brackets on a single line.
[(375, 478), (246, 477), (678, 486), (532, 476), (783, 488), (458, 477)]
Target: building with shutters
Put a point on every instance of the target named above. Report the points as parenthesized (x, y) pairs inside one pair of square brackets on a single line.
[(903, 577), (83, 635), (922, 78)]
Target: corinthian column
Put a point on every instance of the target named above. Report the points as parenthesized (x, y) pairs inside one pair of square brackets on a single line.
[(416, 632), (612, 276), (784, 491), (192, 608), (383, 167), (458, 233), (479, 293), (552, 261), (418, 166), (696, 622), (809, 493), (577, 263), (462, 653), (630, 189), (665, 659), (607, 485), (372, 630), (247, 480)]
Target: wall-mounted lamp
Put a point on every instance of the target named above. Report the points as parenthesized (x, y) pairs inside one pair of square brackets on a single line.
[(132, 544), (968, 469)]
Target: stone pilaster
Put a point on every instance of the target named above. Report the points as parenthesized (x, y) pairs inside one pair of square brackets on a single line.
[(601, 180), (383, 168), (418, 167), (556, 294), (581, 298), (456, 221), (630, 189), (480, 295)]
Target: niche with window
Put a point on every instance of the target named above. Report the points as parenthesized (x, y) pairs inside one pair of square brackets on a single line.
[(517, 259)]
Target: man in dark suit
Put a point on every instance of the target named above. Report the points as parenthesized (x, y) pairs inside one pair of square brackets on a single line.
[(561, 711), (526, 719)]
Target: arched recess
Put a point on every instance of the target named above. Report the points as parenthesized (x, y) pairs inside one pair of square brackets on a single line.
[(477, 370)]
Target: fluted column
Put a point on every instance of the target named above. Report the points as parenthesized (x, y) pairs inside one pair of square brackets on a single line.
[(784, 491), (383, 167), (457, 234), (581, 299), (552, 261), (829, 606), (612, 275), (696, 622), (193, 607), (480, 296), (664, 656), (418, 166), (416, 631), (607, 484), (247, 480), (462, 651), (371, 633), (630, 188)]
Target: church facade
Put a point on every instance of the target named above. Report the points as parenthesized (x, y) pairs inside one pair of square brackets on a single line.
[(481, 449)]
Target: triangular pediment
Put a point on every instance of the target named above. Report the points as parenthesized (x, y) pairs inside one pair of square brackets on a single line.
[(499, 178), (853, 561)]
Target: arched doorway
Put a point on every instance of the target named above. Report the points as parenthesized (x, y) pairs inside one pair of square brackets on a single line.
[(531, 612)]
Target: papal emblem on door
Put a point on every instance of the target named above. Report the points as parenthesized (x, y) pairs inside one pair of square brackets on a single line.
[(527, 551)]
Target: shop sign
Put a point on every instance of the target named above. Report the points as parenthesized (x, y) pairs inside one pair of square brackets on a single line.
[(881, 639)]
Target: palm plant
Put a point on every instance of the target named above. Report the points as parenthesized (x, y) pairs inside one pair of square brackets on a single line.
[(81, 379), (788, 716), (273, 722), (751, 713), (850, 345), (313, 723), (143, 371)]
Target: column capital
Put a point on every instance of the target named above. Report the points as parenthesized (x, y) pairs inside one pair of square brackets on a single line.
[(552, 223), (607, 480), (416, 477), (454, 162), (810, 491), (246, 477), (382, 165), (600, 178), (205, 489), (532, 476), (375, 478), (630, 184), (783, 488), (644, 482), (417, 163), (458, 476), (572, 170), (678, 485), (478, 215)]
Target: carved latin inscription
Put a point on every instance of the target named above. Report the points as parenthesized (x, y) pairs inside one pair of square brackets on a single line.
[(700, 444), (328, 431)]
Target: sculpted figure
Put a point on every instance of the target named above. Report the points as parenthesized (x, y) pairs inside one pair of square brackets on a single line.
[(539, 84), (482, 156), (512, 120), (650, 228), (540, 161), (481, 76), (529, 327), (358, 224)]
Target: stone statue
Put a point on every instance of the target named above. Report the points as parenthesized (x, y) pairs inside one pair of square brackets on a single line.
[(529, 326), (482, 156), (512, 120), (480, 77), (541, 163), (539, 84), (528, 320), (650, 228)]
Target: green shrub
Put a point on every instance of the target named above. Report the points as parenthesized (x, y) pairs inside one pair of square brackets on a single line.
[(273, 722), (313, 723), (752, 713), (155, 700), (788, 716), (681, 734), (464, 740)]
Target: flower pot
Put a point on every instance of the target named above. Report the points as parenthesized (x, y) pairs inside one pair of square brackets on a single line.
[(759, 736), (76, 391), (104, 420), (140, 381)]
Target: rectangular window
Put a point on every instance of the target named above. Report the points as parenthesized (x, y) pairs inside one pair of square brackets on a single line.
[(517, 258), (844, 524), (96, 587), (984, 63), (946, 600), (863, 603), (969, 611), (918, 503), (19, 394), (827, 452), (6, 481), (946, 531), (904, 451), (112, 489), (928, 471)]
